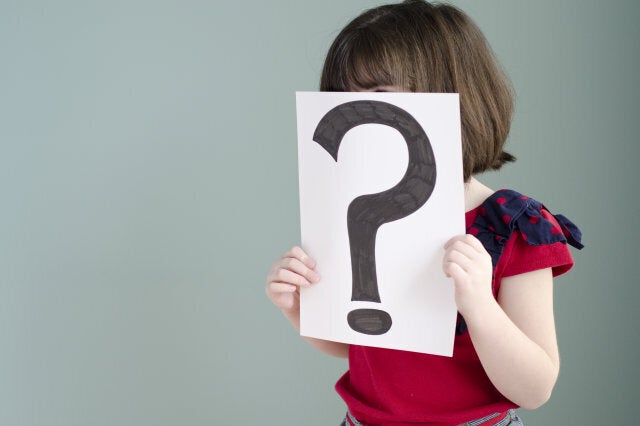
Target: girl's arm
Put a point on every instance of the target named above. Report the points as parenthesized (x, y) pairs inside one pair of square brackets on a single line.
[(294, 270), (515, 336)]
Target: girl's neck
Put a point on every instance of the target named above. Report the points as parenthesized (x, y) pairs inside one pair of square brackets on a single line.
[(475, 193)]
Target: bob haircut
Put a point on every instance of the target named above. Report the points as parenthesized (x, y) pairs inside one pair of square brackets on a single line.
[(423, 47)]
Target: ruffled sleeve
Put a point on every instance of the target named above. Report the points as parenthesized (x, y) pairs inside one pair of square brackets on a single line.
[(540, 237)]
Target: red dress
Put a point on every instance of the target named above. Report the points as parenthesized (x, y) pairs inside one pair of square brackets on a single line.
[(392, 387)]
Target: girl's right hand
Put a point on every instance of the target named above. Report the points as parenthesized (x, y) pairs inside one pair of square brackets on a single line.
[(293, 270)]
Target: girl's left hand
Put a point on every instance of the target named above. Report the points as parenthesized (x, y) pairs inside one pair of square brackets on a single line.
[(468, 263)]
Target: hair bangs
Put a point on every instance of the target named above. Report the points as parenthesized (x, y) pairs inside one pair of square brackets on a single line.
[(363, 62)]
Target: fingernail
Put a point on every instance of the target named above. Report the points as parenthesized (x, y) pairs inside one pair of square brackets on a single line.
[(315, 277)]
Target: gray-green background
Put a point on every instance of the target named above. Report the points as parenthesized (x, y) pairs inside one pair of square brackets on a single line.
[(148, 179)]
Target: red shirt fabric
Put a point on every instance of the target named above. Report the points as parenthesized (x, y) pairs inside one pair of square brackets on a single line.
[(393, 387)]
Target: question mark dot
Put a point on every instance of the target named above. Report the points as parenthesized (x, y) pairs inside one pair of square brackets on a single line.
[(369, 321)]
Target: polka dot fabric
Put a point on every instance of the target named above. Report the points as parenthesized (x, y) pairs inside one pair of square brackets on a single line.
[(507, 210)]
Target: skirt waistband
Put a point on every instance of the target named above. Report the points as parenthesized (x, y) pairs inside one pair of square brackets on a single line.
[(496, 419)]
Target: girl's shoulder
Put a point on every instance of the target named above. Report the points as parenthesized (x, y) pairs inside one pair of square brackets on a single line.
[(506, 212)]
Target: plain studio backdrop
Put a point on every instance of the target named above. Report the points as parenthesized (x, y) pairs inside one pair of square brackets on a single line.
[(148, 179)]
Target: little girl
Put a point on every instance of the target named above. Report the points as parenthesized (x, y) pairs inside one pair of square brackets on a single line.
[(505, 351)]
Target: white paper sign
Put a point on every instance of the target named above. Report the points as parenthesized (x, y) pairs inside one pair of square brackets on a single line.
[(381, 191)]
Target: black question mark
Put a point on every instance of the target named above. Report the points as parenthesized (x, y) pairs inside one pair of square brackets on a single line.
[(367, 213)]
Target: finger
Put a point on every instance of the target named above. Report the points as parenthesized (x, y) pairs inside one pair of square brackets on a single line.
[(302, 256), (295, 265), (286, 276), (467, 239), (474, 242), (285, 300), (460, 259), (453, 270), (452, 240), (463, 247), (277, 287)]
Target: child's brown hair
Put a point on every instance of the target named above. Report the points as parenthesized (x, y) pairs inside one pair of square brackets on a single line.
[(425, 47)]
